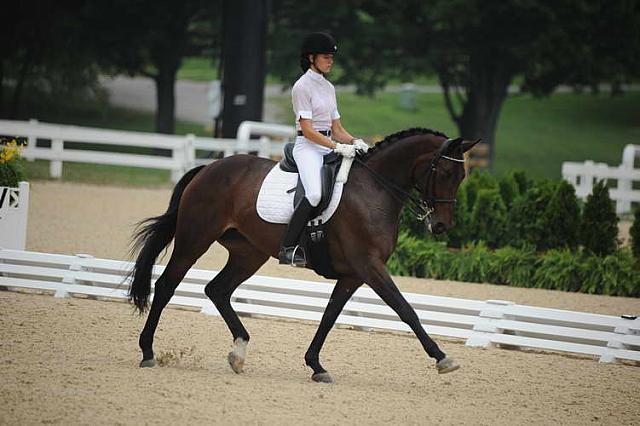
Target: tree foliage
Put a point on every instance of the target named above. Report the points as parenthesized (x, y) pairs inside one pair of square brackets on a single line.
[(599, 227), (634, 232)]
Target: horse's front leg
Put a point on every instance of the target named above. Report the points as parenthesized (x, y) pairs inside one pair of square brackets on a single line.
[(377, 277), (342, 291)]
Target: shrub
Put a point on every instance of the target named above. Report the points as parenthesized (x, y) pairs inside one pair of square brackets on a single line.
[(514, 266), (459, 234), (525, 220), (634, 233), (561, 219), (10, 163), (559, 269), (488, 218), (508, 190), (411, 225), (474, 263), (599, 227), (522, 181), (420, 258), (614, 275)]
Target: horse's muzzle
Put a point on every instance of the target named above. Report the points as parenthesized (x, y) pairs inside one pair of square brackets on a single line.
[(437, 228)]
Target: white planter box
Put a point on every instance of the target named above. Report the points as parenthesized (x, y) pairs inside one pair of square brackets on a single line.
[(14, 208)]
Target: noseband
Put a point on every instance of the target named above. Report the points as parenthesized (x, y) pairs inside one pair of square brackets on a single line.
[(421, 208), (430, 200)]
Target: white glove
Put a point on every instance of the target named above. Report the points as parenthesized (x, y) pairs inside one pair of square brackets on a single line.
[(361, 145), (346, 150)]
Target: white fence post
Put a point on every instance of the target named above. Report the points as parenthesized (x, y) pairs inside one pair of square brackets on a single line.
[(628, 160), (55, 166), (179, 159), (14, 213), (190, 152), (265, 147), (31, 140), (491, 315)]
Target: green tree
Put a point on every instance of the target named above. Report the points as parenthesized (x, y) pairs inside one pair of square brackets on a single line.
[(488, 218), (599, 227), (525, 220), (562, 218), (475, 47), (151, 39), (43, 51)]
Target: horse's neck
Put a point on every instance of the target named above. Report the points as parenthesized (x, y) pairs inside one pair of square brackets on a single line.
[(396, 162)]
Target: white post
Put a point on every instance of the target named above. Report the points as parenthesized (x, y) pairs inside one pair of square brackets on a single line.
[(14, 213), (626, 185), (28, 153), (264, 149), (190, 152), (55, 166), (178, 155)]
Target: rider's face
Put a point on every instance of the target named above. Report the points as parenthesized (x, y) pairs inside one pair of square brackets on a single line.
[(323, 62)]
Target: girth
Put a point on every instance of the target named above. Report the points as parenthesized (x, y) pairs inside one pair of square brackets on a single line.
[(328, 173)]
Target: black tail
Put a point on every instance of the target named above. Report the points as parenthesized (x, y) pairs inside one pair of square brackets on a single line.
[(150, 237)]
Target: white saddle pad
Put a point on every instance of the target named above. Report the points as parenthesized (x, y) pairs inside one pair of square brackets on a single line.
[(276, 206)]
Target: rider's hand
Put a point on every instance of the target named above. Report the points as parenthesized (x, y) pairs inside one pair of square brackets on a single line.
[(346, 150), (360, 145)]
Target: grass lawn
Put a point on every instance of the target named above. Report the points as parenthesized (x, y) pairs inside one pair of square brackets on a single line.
[(535, 135)]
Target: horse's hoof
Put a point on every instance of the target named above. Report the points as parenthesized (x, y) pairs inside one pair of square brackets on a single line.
[(148, 363), (236, 362), (322, 378), (446, 365)]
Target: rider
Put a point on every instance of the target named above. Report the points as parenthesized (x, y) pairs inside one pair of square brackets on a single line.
[(317, 122)]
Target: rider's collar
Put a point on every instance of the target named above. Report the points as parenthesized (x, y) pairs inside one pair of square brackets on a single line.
[(315, 75)]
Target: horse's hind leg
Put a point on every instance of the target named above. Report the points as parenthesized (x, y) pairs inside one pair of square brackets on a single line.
[(187, 250), (244, 261)]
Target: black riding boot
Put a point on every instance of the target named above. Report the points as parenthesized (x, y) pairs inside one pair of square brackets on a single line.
[(290, 252)]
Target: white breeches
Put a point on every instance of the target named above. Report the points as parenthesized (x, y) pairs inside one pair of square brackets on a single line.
[(309, 158)]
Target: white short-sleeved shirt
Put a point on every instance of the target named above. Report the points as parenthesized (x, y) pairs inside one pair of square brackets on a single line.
[(314, 98)]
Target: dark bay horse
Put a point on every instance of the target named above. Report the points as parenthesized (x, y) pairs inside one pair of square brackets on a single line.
[(218, 203)]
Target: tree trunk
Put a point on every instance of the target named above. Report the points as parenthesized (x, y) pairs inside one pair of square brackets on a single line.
[(14, 107), (166, 99), (486, 91)]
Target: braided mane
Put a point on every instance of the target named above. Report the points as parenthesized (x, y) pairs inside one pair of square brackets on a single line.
[(401, 135)]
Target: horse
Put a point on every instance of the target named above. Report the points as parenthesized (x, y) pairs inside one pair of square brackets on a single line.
[(217, 202)]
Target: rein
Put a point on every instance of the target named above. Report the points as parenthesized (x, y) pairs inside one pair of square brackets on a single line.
[(422, 209)]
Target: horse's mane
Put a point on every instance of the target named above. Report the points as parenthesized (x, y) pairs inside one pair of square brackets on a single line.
[(401, 135)]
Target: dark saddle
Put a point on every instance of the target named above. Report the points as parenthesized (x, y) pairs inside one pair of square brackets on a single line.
[(328, 174), (314, 239)]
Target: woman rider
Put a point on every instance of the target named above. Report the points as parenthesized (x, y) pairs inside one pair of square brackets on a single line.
[(317, 122)]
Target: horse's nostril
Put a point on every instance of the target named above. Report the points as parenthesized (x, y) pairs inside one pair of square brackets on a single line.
[(438, 228)]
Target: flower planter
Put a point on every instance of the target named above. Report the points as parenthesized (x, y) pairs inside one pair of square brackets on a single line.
[(14, 207)]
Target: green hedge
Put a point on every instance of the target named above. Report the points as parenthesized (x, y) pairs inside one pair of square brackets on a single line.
[(557, 269)]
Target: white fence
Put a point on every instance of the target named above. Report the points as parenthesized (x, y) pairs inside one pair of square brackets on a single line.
[(184, 149), (480, 323), (583, 175)]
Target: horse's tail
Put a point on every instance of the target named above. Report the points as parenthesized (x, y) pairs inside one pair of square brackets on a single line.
[(150, 237)]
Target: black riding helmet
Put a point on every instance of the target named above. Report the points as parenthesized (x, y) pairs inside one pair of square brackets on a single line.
[(315, 43)]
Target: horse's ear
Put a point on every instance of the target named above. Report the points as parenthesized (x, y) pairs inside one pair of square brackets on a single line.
[(467, 145), (451, 145)]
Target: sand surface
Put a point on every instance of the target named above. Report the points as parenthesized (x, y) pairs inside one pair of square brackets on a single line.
[(71, 361)]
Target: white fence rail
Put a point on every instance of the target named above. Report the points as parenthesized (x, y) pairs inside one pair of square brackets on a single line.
[(184, 149), (480, 323), (583, 176)]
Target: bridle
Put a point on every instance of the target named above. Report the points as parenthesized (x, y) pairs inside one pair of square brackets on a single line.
[(422, 208)]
